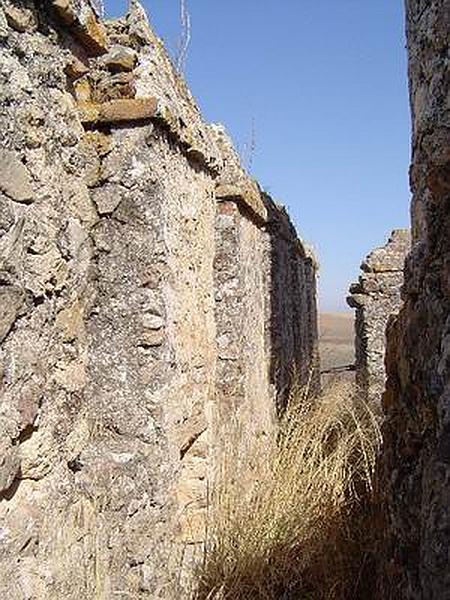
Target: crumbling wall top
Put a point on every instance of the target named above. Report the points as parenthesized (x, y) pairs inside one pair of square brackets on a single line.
[(130, 77), (390, 257)]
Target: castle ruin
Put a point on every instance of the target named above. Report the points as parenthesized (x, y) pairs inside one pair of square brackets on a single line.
[(152, 296)]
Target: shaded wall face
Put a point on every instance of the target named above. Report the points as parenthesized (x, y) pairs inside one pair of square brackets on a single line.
[(293, 313), (415, 458), (265, 317), (136, 311)]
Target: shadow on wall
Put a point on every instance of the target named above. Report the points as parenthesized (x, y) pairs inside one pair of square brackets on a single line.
[(293, 309), (266, 319)]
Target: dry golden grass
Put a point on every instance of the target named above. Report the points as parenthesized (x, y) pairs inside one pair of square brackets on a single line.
[(293, 525)]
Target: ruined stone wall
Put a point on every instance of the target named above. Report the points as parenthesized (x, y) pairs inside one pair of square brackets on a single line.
[(376, 297), (416, 453), (294, 316), (148, 289)]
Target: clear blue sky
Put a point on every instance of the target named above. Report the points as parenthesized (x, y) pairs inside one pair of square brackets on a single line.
[(324, 82)]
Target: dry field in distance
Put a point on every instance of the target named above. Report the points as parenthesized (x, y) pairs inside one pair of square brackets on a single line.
[(336, 340)]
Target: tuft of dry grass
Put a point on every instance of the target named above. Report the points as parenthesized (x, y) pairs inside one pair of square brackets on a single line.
[(294, 523)]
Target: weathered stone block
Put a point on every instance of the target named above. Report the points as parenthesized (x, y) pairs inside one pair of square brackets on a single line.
[(83, 22), (115, 86), (75, 68), (116, 111), (70, 322), (247, 193), (21, 18), (11, 301), (119, 58), (151, 338), (151, 321), (106, 198), (9, 464), (15, 180)]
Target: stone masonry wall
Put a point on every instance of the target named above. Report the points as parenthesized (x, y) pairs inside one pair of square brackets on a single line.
[(294, 315), (150, 294), (415, 470), (376, 297)]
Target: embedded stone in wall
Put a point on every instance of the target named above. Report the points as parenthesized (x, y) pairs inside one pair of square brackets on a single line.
[(376, 297), (21, 18), (116, 111), (82, 19), (15, 180), (119, 58), (247, 194)]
